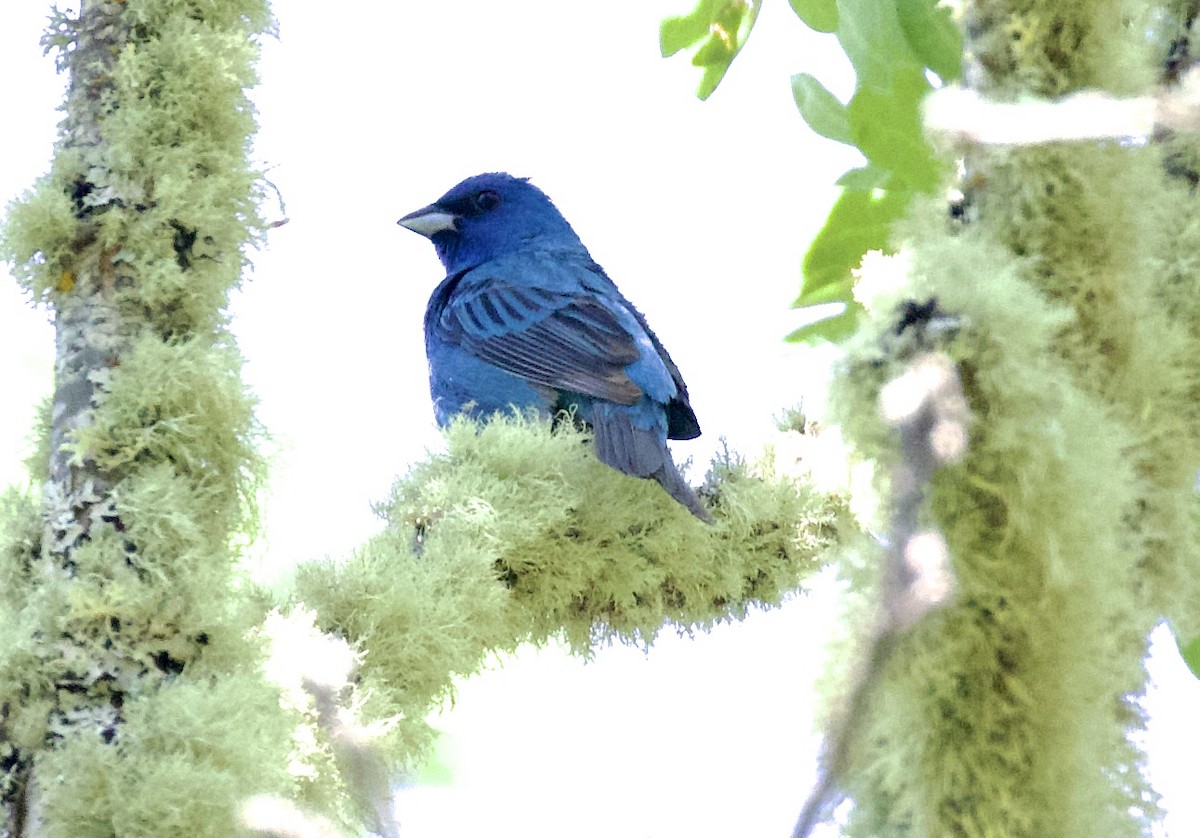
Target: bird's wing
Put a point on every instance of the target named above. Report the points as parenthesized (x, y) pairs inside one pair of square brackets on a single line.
[(681, 419), (561, 338)]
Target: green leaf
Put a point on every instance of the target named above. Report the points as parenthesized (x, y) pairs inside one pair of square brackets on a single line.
[(833, 292), (821, 15), (869, 31), (832, 329), (821, 109), (859, 221), (712, 77), (676, 33), (889, 43), (886, 126), (722, 25), (933, 36), (1191, 654), (866, 178)]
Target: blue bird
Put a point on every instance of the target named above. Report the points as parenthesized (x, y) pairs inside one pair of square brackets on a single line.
[(525, 318)]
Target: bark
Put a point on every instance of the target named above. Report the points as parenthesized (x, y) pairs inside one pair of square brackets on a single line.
[(91, 333)]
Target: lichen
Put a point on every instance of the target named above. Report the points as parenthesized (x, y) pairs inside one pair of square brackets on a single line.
[(1009, 711), (189, 755), (1072, 520), (519, 534), (131, 682)]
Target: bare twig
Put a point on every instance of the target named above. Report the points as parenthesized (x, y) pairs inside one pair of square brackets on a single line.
[(967, 116), (927, 406)]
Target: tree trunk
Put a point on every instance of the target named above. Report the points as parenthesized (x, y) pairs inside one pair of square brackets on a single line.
[(135, 239)]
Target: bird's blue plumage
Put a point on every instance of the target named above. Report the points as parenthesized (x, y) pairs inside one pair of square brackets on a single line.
[(525, 318)]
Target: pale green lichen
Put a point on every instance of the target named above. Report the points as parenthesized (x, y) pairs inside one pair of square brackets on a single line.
[(37, 463), (1072, 520), (131, 653), (253, 16), (523, 535), (1119, 264), (182, 403), (190, 754), (603, 556), (169, 189), (37, 234), (128, 676), (1001, 713), (20, 545), (1052, 47)]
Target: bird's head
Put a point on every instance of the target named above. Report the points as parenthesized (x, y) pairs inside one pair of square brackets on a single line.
[(487, 216)]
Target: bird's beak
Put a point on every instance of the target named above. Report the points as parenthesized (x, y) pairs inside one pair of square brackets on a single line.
[(429, 220)]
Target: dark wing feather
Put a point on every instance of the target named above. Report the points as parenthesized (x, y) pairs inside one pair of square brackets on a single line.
[(559, 340), (681, 419)]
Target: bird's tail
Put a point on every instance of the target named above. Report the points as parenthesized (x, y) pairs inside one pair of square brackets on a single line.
[(670, 479), (641, 452)]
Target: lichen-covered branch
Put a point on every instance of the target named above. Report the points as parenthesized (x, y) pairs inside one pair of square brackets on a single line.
[(131, 694), (1070, 521), (519, 534), (925, 404)]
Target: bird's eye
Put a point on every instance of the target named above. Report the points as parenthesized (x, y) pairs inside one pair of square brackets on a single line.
[(487, 200)]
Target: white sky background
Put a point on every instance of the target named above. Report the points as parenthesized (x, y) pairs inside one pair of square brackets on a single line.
[(701, 213)]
